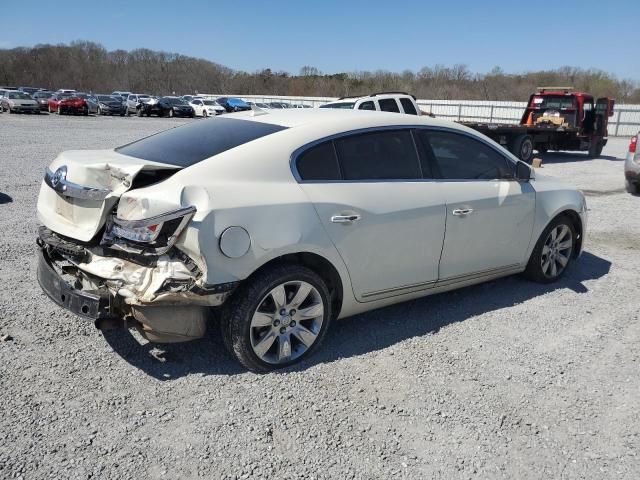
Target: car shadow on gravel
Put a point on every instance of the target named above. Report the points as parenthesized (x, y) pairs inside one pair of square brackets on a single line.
[(4, 198), (360, 334)]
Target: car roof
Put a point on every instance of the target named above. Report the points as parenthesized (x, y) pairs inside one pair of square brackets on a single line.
[(343, 120)]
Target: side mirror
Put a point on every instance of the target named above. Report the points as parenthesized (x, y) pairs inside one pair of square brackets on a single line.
[(523, 172)]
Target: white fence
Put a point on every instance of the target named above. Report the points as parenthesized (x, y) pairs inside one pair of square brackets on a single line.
[(625, 121)]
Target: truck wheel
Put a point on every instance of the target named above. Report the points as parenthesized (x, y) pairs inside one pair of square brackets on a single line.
[(522, 147), (595, 149)]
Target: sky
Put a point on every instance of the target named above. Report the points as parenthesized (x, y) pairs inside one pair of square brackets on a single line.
[(347, 36)]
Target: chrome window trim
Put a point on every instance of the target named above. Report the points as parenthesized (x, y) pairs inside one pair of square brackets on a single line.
[(411, 127), (69, 189)]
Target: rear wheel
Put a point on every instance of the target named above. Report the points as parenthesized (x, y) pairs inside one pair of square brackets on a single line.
[(595, 149), (278, 318), (522, 147), (553, 252)]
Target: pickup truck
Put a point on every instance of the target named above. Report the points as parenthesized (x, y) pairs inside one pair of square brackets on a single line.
[(556, 118)]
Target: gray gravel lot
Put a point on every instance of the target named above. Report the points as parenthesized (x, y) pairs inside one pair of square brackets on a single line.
[(503, 380)]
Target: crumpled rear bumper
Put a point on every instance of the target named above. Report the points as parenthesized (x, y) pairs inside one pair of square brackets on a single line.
[(95, 305)]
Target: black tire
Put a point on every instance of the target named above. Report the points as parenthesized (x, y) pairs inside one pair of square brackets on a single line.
[(171, 113), (632, 188), (522, 147), (204, 114), (595, 149), (139, 112), (534, 270), (237, 313), (127, 112), (99, 112), (59, 110)]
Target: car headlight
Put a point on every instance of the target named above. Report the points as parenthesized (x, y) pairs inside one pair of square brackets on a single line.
[(103, 105), (154, 235)]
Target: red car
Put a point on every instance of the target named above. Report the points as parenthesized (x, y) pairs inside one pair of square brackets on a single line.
[(81, 103), (54, 101)]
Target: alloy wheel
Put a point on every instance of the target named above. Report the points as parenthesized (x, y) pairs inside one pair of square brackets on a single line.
[(287, 322), (556, 251)]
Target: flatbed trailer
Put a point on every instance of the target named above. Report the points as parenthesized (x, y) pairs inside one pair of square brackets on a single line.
[(556, 118)]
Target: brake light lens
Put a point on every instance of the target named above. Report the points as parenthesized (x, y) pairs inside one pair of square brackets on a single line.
[(143, 234), (153, 236), (633, 145)]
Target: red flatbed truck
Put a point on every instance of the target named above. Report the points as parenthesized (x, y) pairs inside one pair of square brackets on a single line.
[(556, 118)]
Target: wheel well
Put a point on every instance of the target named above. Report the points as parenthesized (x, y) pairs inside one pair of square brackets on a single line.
[(577, 225), (321, 266)]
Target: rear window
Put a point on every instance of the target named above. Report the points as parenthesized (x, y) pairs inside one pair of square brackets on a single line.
[(195, 142), (345, 105), (408, 106)]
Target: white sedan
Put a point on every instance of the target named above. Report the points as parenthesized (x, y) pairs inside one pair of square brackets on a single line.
[(286, 220), (206, 108)]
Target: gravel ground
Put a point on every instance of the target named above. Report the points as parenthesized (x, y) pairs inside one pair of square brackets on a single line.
[(503, 380)]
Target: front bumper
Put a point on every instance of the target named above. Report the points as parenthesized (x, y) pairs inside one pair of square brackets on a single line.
[(95, 305), (632, 169), (26, 109)]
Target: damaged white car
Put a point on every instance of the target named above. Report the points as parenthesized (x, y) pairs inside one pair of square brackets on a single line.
[(287, 220)]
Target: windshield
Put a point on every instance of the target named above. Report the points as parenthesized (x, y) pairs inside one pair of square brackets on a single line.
[(106, 98), (175, 101), (19, 95), (195, 142), (345, 105), (43, 95), (212, 103)]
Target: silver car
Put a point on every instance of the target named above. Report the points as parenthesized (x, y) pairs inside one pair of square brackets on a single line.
[(632, 166), (14, 101)]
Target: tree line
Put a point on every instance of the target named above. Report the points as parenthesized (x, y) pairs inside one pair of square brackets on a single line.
[(88, 66)]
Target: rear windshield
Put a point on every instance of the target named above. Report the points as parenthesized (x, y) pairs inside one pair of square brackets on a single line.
[(345, 105), (187, 145)]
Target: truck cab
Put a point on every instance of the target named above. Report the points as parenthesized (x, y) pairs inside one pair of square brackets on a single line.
[(566, 109)]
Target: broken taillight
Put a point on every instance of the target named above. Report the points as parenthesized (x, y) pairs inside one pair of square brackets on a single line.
[(634, 144)]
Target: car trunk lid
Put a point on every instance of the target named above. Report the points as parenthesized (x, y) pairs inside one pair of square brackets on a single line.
[(82, 187)]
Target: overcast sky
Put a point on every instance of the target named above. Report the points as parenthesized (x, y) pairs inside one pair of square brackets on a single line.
[(337, 36)]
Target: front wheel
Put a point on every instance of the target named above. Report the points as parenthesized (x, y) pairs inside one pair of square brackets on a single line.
[(59, 110), (204, 114), (277, 319), (171, 113), (553, 252)]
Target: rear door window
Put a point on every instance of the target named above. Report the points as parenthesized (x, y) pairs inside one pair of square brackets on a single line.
[(192, 143), (319, 163), (408, 107), (389, 105), (383, 155)]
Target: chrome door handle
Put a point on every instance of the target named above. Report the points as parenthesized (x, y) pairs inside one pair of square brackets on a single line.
[(462, 211), (345, 218)]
